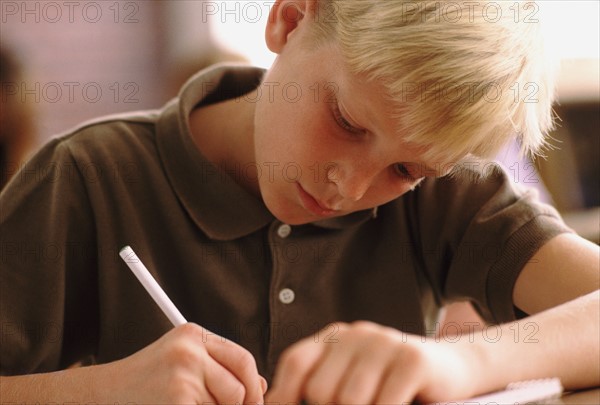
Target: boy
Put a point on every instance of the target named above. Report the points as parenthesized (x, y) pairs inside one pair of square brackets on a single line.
[(276, 211)]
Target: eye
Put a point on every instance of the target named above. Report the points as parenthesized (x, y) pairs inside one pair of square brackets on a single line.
[(344, 123), (402, 171)]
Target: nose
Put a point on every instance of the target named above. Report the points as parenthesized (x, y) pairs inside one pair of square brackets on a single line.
[(352, 180)]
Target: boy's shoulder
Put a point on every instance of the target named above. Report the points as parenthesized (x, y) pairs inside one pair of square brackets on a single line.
[(102, 141), (110, 127)]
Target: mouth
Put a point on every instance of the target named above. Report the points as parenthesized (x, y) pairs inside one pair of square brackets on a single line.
[(313, 205)]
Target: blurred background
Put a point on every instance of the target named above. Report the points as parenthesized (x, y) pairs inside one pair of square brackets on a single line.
[(64, 62)]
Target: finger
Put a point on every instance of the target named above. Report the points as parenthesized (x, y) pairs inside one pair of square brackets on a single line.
[(294, 366), (363, 378), (222, 384), (207, 399), (239, 362), (264, 385), (322, 385), (399, 386)]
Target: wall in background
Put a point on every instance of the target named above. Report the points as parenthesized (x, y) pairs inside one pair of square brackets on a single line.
[(84, 59)]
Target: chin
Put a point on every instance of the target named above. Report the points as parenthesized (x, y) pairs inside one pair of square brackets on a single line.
[(299, 218), (290, 215), (291, 219)]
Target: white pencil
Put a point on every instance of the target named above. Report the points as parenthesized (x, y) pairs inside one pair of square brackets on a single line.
[(150, 284)]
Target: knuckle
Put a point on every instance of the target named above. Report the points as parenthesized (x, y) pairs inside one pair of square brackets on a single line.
[(364, 326), (293, 358), (192, 333), (412, 355), (246, 361), (186, 328), (340, 326), (182, 354), (190, 330)]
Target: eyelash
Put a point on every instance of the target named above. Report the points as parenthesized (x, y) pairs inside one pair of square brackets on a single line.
[(343, 122), (401, 170)]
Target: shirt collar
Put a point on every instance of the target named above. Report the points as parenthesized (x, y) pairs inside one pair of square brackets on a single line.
[(213, 199)]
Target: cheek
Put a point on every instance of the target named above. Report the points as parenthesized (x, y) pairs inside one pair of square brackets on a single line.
[(305, 136), (271, 135), (320, 138)]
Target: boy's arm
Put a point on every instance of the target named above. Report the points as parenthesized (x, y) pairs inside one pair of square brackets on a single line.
[(560, 342), (567, 344), (563, 269), (373, 364), (184, 366)]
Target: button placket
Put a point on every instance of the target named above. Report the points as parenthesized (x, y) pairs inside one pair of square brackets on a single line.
[(286, 295), (282, 296)]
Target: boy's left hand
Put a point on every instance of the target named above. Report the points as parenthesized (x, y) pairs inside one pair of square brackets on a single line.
[(369, 364)]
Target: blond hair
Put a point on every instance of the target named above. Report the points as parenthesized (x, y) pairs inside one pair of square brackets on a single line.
[(465, 77)]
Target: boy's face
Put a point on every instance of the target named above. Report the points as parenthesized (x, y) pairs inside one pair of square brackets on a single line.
[(325, 142)]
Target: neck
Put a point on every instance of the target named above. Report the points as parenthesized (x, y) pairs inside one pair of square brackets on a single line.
[(224, 134)]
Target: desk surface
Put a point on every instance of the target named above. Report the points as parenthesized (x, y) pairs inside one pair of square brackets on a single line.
[(586, 397)]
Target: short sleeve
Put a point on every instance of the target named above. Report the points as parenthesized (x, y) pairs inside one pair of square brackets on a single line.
[(476, 234), (48, 304)]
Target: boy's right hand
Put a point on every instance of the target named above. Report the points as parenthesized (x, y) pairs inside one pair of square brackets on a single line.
[(186, 365)]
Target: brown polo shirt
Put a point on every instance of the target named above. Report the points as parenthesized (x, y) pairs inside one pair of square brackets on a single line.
[(224, 260)]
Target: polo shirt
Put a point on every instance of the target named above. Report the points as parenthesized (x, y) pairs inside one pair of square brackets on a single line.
[(138, 179)]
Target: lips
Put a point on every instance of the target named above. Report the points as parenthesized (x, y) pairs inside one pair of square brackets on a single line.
[(313, 205)]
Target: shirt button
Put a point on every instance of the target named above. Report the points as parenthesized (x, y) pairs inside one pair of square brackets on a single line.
[(286, 296), (284, 231)]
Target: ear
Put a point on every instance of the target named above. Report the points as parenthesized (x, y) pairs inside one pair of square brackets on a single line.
[(284, 18)]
